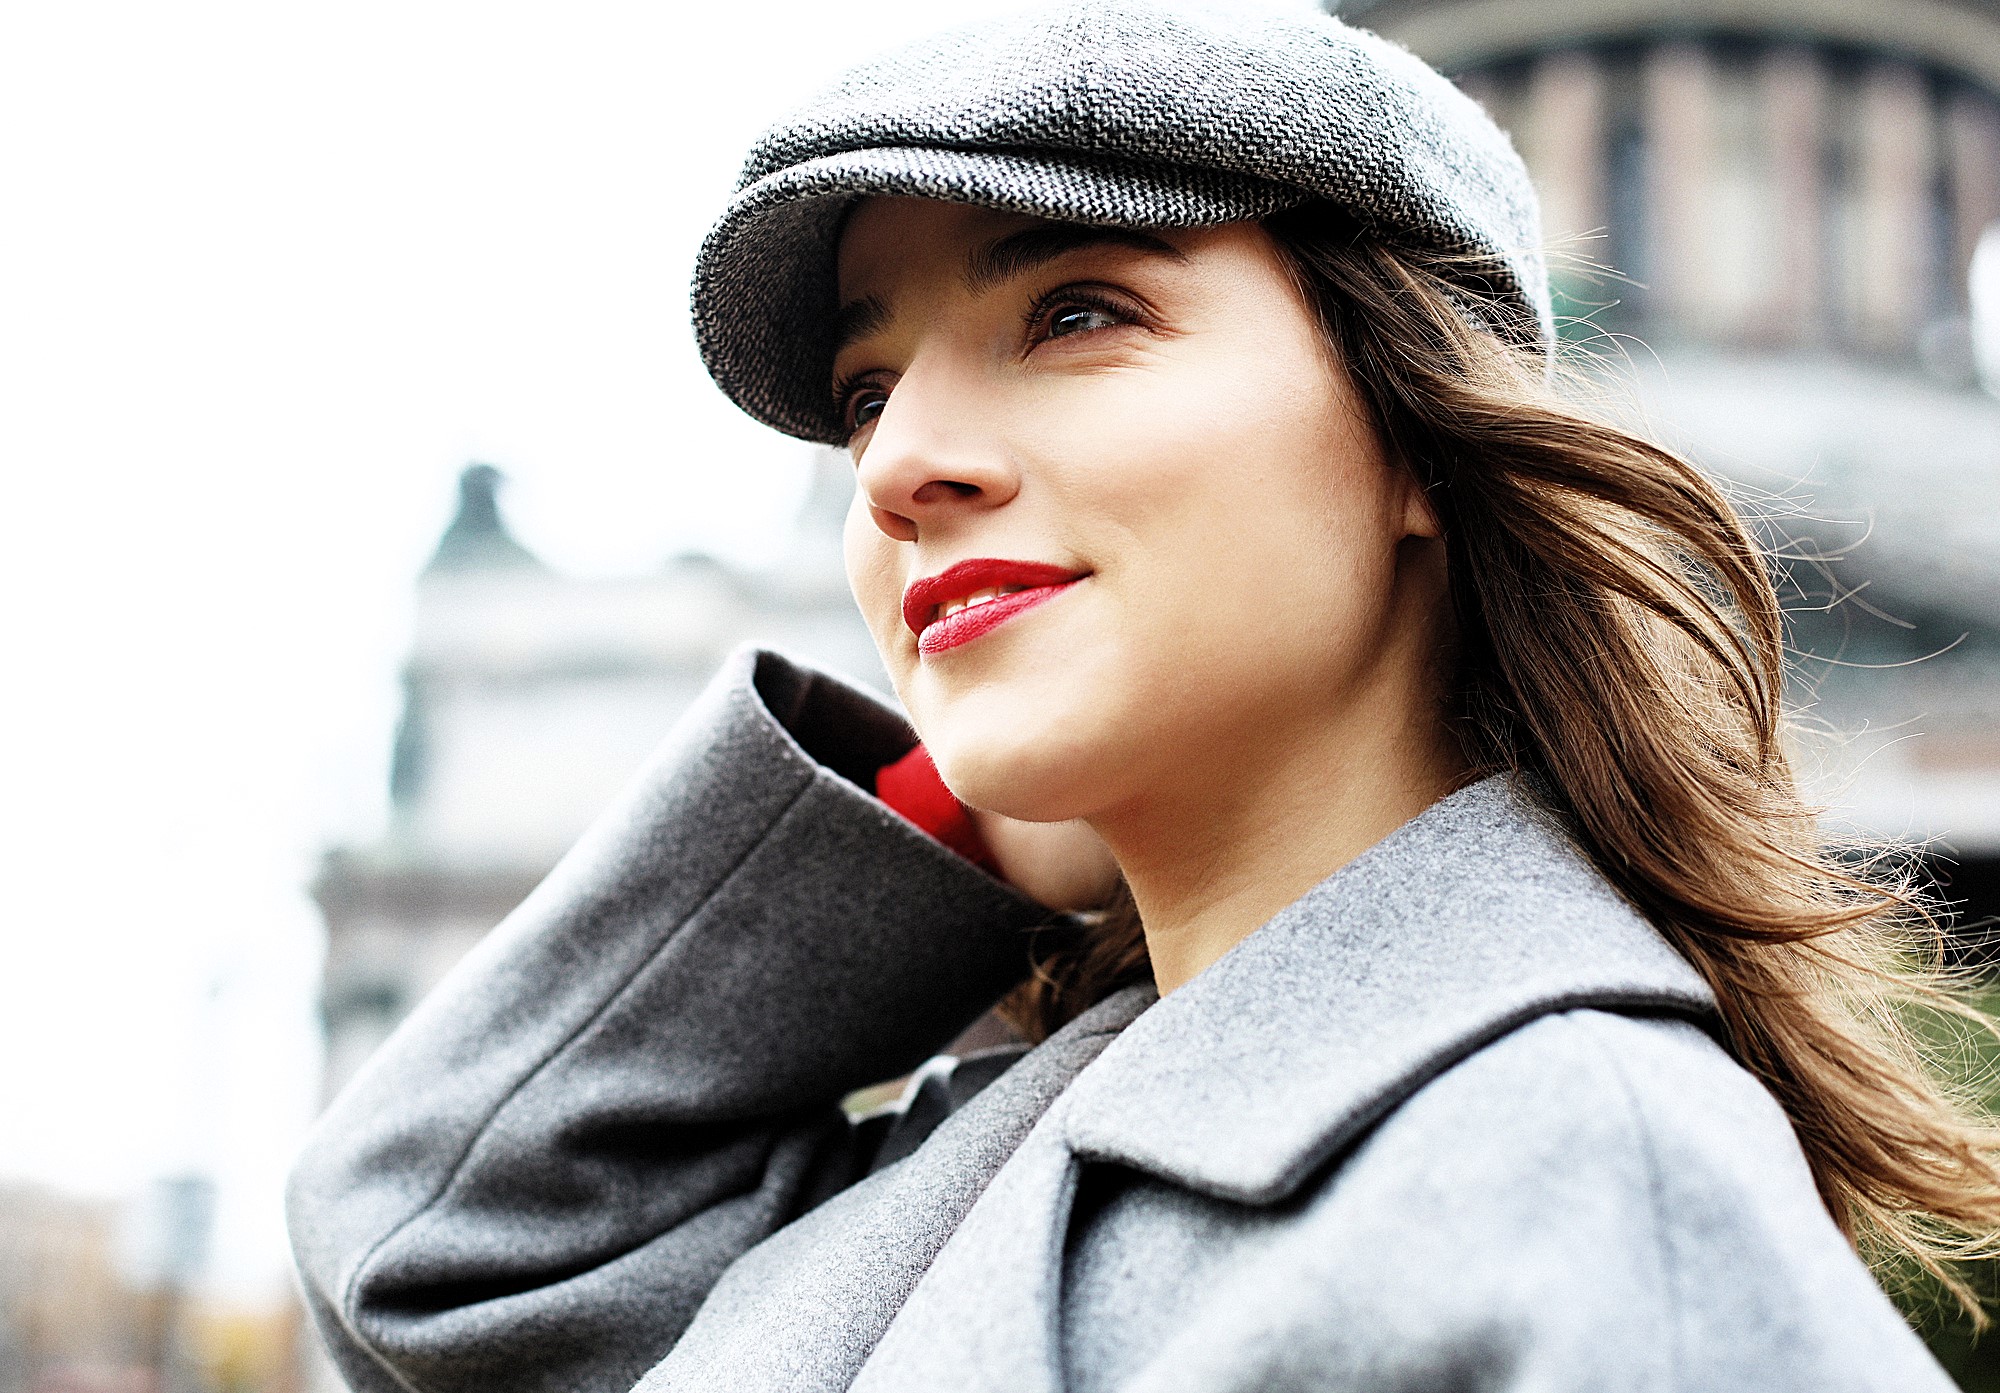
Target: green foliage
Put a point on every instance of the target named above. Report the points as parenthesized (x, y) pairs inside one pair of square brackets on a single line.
[(1972, 1357)]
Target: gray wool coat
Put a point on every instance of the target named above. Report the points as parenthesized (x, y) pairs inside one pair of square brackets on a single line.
[(1455, 1120)]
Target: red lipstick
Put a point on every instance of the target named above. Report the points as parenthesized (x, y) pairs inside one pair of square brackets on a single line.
[(1029, 583)]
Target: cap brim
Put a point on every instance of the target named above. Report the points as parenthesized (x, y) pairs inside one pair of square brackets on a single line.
[(764, 293)]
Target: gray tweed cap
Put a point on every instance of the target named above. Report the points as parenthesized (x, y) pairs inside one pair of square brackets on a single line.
[(1139, 113)]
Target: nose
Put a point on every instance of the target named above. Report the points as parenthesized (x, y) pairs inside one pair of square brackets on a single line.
[(934, 456)]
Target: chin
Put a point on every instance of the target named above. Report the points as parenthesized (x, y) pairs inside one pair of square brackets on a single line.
[(1034, 725), (1021, 784), (1018, 763)]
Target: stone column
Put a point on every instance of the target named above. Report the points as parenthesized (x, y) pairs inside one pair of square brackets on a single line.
[(1889, 261), (1972, 155), (1795, 104), (1675, 81), (1563, 139)]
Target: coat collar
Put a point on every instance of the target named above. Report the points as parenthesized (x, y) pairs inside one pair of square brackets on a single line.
[(1470, 920)]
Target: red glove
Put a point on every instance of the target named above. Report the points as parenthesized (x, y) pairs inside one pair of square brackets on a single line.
[(912, 787)]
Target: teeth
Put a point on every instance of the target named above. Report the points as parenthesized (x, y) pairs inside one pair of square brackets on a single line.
[(978, 597)]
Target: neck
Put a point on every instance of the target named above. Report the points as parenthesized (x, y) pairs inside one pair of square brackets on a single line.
[(1241, 837)]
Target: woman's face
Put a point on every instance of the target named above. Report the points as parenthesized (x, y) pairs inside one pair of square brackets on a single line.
[(1142, 444)]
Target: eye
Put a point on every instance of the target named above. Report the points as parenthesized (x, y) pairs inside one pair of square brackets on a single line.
[(859, 402), (1071, 310), (1078, 319), (865, 406)]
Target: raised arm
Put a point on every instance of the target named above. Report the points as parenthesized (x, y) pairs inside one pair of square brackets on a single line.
[(636, 1077)]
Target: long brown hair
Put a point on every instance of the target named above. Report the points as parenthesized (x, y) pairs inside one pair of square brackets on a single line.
[(1620, 639)]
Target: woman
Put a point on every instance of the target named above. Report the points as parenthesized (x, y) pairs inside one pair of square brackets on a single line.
[(1468, 1001)]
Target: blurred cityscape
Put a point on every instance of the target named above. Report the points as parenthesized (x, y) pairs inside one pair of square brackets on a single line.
[(1793, 193)]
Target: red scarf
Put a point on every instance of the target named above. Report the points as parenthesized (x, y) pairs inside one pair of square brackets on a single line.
[(911, 786)]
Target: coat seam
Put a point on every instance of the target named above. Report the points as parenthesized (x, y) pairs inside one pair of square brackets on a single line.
[(367, 1347), (1655, 1195), (349, 1311)]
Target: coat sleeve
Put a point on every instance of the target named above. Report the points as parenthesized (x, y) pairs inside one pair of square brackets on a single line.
[(636, 1077)]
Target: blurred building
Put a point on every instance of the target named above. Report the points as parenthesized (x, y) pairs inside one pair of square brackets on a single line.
[(67, 1314), (529, 699), (1796, 190), (95, 1298)]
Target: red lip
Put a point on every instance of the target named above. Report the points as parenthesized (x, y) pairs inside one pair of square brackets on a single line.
[(1037, 582)]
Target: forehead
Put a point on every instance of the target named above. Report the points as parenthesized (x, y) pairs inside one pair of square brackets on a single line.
[(883, 236), (890, 246), (892, 238)]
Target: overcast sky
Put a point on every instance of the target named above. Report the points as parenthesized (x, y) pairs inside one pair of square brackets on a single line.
[(269, 276)]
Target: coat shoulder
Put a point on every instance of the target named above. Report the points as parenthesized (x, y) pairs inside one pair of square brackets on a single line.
[(1595, 1200), (1620, 1186)]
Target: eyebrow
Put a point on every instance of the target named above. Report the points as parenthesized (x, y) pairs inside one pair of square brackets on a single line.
[(1020, 252), (857, 319), (1001, 260)]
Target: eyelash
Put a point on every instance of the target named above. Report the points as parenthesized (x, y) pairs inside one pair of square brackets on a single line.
[(844, 391), (1033, 319), (1073, 297)]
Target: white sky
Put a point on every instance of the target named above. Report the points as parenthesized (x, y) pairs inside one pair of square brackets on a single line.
[(269, 276)]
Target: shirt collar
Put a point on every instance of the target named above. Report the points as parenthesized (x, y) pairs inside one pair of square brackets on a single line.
[(1475, 917)]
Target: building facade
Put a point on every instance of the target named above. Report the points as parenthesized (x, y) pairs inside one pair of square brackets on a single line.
[(529, 699), (1790, 196)]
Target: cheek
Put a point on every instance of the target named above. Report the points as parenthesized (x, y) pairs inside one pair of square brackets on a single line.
[(1241, 484), (1246, 520), (875, 579)]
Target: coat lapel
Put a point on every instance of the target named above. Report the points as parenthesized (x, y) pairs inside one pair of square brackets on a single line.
[(804, 1308), (1469, 921), (983, 1320), (1472, 919)]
